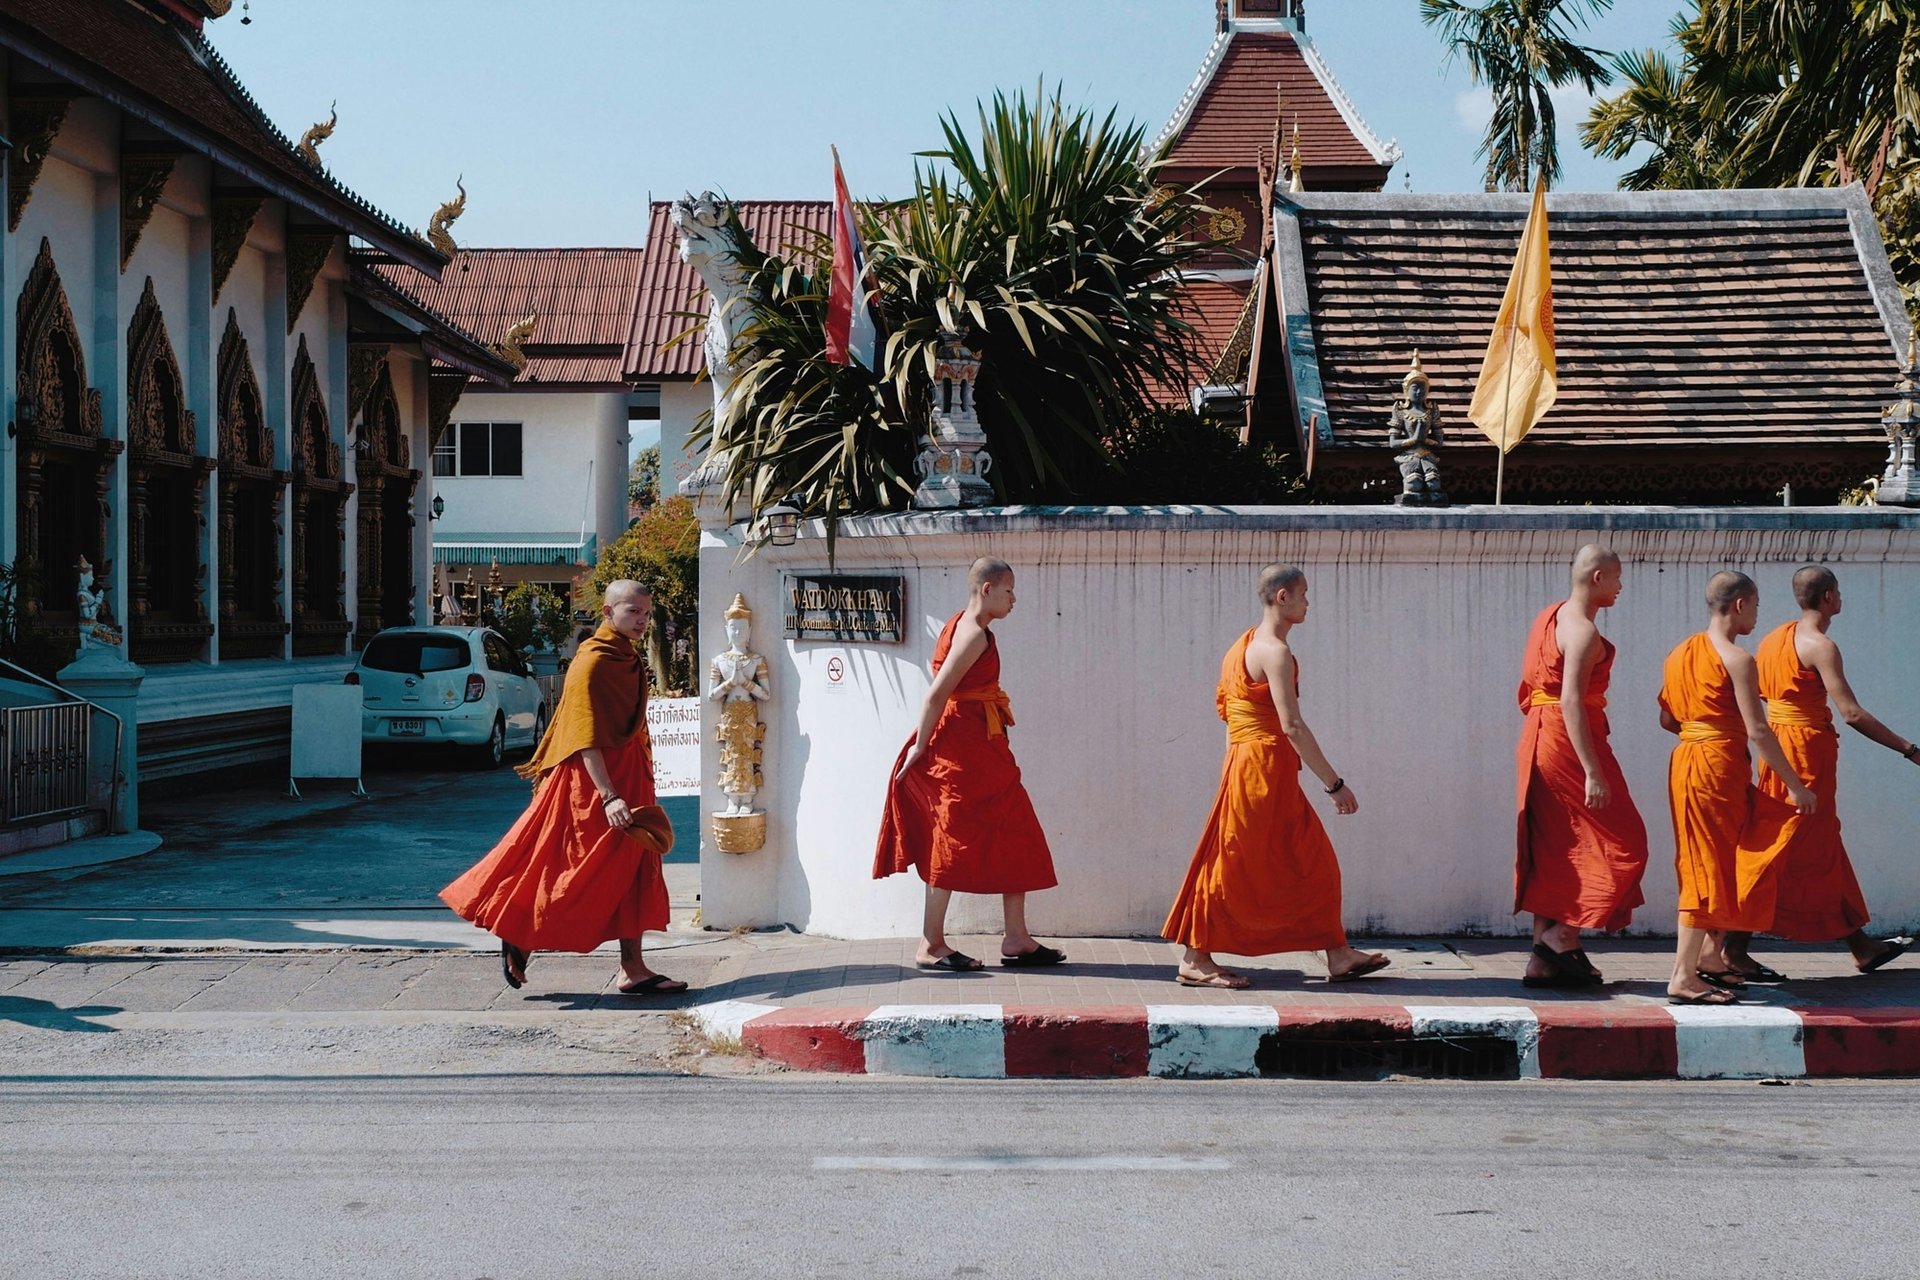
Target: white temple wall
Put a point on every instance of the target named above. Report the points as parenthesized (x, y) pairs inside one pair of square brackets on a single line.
[(573, 466), (681, 404), (1409, 663)]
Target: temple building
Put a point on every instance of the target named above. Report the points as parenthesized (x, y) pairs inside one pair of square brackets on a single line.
[(534, 474), (210, 400)]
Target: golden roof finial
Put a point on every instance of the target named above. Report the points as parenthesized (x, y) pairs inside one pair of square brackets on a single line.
[(1913, 336), (517, 336), (309, 148), (1293, 163), (445, 216), (738, 609)]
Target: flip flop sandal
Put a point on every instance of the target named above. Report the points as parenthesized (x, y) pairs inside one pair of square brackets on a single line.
[(1895, 949), (1570, 967), (1718, 996), (953, 960), (1762, 975), (1360, 970), (1037, 958), (658, 984), (1221, 981), (511, 958), (1730, 980)]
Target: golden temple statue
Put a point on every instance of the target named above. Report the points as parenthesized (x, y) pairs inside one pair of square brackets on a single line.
[(309, 146), (510, 345), (737, 680), (439, 234)]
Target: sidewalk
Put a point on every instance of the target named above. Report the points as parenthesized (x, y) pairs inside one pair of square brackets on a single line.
[(1446, 1007)]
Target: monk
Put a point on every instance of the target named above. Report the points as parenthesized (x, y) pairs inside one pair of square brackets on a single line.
[(1800, 673), (1264, 878), (1728, 837), (956, 810), (1582, 843), (582, 865)]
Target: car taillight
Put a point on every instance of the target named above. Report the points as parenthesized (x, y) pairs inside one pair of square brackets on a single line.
[(353, 677), (476, 687)]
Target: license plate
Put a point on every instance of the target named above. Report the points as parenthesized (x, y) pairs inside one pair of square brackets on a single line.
[(406, 728)]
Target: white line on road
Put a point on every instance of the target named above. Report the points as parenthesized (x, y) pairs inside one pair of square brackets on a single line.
[(1046, 1164)]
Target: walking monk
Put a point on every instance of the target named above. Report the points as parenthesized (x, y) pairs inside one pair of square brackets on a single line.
[(1582, 844), (956, 810), (1727, 835), (1264, 878), (582, 865), (1800, 671)]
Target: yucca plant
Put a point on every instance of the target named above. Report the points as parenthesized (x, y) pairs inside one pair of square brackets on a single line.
[(1048, 243)]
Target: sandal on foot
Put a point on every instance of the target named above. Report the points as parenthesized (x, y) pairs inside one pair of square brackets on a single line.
[(656, 984), (1570, 968), (1040, 956), (511, 958), (1718, 995), (1361, 970), (1761, 975), (1222, 980), (1895, 948), (1726, 980), (1562, 980), (953, 960)]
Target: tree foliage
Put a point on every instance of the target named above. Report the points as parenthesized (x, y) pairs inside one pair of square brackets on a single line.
[(1773, 93), (1175, 456), (1521, 50), (643, 478), (1047, 242), (532, 618), (662, 551)]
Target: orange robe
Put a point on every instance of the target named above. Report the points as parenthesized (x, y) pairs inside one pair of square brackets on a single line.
[(564, 878), (961, 817), (1727, 836), (1577, 865), (1264, 878), (1819, 898)]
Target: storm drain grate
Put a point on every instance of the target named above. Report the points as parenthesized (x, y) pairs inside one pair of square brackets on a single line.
[(1451, 1058)]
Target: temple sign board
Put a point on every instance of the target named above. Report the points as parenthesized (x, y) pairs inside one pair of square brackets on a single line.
[(842, 607)]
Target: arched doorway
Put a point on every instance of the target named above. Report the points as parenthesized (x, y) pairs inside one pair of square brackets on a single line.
[(253, 621), (66, 465), (386, 511), (167, 495), (319, 519)]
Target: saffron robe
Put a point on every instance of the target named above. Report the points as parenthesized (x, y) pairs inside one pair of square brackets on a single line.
[(1264, 877), (1819, 898), (1727, 836), (961, 817), (1577, 865), (564, 878)]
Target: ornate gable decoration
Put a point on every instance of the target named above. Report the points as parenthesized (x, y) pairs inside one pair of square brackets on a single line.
[(381, 430), (35, 120), (245, 438), (443, 393), (307, 252), (233, 216), (317, 457), (51, 377), (158, 420), (143, 177)]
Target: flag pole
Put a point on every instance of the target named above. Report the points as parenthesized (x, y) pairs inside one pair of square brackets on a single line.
[(1506, 395)]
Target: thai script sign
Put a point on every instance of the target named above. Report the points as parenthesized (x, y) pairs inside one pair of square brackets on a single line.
[(840, 607), (674, 726)]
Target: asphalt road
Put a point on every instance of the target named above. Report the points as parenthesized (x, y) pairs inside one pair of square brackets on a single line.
[(621, 1175)]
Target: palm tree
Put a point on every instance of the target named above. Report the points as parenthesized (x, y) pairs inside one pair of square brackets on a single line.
[(1048, 243), (1520, 50)]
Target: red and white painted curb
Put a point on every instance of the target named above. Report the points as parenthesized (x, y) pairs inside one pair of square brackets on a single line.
[(1564, 1041)]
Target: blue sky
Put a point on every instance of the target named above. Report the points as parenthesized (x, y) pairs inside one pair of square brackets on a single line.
[(566, 115)]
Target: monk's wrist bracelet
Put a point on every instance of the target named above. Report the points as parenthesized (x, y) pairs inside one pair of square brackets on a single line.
[(1337, 784), (607, 799), (1911, 748)]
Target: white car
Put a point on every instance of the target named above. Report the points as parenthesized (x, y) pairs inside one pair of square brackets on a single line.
[(459, 685)]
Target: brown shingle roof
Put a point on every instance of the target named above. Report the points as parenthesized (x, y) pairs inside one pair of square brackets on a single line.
[(1683, 318), (670, 289), (585, 298), (1226, 118), (164, 72)]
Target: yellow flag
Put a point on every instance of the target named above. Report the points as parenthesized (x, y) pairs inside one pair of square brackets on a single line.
[(1519, 378)]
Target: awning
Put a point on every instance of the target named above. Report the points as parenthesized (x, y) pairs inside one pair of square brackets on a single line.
[(515, 548)]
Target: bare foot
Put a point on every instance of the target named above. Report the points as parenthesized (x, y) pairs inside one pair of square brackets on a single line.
[(1346, 962), (1215, 976), (1698, 992)]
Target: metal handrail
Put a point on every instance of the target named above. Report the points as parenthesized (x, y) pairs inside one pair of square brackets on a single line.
[(119, 733)]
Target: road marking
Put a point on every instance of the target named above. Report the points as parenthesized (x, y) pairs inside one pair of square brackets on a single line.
[(1043, 1164)]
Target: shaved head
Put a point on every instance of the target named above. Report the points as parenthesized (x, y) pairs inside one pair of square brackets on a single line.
[(1591, 559), (624, 589), (1728, 588), (1276, 578), (1811, 584), (986, 570)]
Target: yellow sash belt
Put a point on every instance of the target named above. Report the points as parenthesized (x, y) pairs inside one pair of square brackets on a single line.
[(1250, 721), (1782, 712), (993, 700), (1541, 698), (1712, 730)]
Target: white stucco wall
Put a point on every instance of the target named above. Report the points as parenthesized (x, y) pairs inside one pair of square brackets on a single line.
[(573, 460), (681, 404), (1409, 664)]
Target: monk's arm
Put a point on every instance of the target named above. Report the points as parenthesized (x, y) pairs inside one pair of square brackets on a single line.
[(1667, 720), (1826, 660), (1279, 674), (1746, 694), (1581, 654), (960, 659), (611, 802)]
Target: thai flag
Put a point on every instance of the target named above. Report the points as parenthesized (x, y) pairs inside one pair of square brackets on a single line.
[(851, 333)]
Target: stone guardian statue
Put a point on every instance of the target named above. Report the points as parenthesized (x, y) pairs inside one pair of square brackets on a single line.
[(88, 600), (1413, 426), (737, 680)]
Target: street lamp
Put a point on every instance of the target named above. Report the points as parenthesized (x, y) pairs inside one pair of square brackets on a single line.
[(781, 524), (437, 508)]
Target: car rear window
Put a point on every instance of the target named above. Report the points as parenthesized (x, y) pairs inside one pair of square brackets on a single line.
[(416, 654)]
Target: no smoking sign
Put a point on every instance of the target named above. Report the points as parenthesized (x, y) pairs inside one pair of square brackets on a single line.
[(836, 672)]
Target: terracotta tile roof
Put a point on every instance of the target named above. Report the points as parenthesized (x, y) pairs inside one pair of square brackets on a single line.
[(669, 288), (1215, 307), (162, 70), (376, 278), (1226, 118), (1683, 318), (585, 298)]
